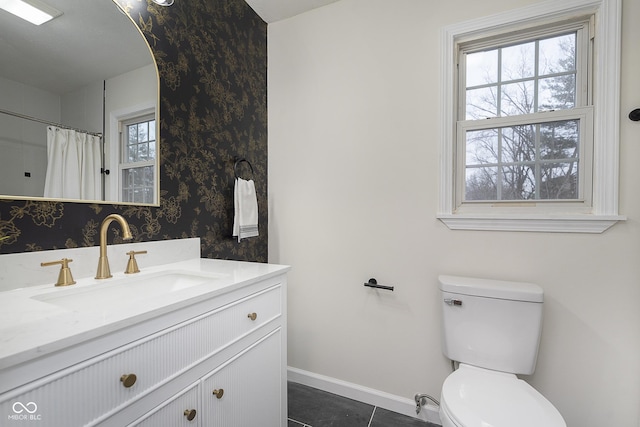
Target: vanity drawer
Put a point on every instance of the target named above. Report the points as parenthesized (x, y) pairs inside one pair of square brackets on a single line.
[(91, 391), (182, 410)]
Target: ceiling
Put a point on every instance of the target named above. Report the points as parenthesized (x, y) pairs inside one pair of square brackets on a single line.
[(93, 41), (277, 10)]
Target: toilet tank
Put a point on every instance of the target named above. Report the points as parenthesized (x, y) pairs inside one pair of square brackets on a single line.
[(491, 324)]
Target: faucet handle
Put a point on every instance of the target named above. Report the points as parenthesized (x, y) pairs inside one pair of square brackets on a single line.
[(132, 265), (64, 278)]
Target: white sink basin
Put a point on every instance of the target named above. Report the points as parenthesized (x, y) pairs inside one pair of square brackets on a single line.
[(117, 293)]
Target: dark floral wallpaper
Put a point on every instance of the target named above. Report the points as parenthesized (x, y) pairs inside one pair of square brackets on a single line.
[(212, 62)]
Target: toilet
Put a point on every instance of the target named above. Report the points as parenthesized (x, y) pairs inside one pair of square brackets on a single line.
[(492, 329)]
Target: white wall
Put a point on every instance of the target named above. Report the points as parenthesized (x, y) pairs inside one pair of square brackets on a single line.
[(82, 108), (128, 95), (23, 143), (353, 172)]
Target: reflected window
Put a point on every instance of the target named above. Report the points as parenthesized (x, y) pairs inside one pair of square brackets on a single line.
[(138, 159)]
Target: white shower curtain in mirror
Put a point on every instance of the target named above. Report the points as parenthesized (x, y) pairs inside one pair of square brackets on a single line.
[(73, 165)]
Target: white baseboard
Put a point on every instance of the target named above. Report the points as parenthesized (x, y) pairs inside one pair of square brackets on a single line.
[(360, 393)]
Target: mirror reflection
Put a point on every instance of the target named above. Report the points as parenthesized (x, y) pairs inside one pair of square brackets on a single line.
[(78, 107)]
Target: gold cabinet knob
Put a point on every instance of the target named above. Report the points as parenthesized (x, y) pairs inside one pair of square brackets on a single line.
[(252, 316), (190, 414), (128, 380), (219, 392)]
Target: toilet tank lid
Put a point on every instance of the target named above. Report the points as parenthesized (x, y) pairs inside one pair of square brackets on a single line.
[(500, 289)]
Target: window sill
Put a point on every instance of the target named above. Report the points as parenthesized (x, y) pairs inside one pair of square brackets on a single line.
[(534, 223)]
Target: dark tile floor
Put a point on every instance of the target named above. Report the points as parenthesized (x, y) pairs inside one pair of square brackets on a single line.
[(310, 407)]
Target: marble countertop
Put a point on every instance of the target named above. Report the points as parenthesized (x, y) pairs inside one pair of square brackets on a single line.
[(33, 322)]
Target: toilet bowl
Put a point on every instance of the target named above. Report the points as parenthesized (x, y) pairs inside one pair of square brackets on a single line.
[(492, 329), (477, 397)]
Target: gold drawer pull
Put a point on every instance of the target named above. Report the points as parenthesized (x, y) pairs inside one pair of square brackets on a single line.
[(252, 316), (218, 393), (190, 414), (128, 380)]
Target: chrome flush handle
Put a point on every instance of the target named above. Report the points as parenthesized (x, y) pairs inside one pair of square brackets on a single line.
[(452, 302)]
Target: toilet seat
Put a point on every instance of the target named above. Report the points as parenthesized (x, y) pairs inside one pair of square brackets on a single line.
[(474, 397)]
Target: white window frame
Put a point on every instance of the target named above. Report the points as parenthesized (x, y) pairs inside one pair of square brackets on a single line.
[(124, 140), (547, 217), (115, 150)]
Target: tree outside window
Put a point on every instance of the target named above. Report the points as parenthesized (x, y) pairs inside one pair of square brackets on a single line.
[(137, 168), (536, 157)]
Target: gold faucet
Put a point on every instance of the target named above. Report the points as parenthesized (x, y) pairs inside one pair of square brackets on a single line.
[(103, 263)]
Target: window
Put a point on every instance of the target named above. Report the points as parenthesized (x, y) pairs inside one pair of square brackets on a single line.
[(524, 122), (521, 149), (138, 160)]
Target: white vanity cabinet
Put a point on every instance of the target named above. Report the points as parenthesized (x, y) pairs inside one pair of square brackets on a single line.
[(179, 411), (163, 371), (244, 391)]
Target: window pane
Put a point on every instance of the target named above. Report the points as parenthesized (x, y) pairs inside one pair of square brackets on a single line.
[(482, 147), (517, 98), (520, 89), (518, 62), (140, 144), (481, 103), (559, 181), (482, 68), (481, 184), (557, 93), (133, 133), (137, 185), (559, 140), (143, 132), (143, 152), (557, 54), (132, 154), (534, 162), (518, 144), (518, 182)]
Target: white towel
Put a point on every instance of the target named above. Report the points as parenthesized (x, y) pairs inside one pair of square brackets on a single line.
[(245, 220)]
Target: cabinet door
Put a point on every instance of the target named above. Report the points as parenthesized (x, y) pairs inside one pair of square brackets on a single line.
[(182, 410), (247, 390)]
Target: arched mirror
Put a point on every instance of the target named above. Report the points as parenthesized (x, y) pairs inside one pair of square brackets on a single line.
[(78, 107)]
